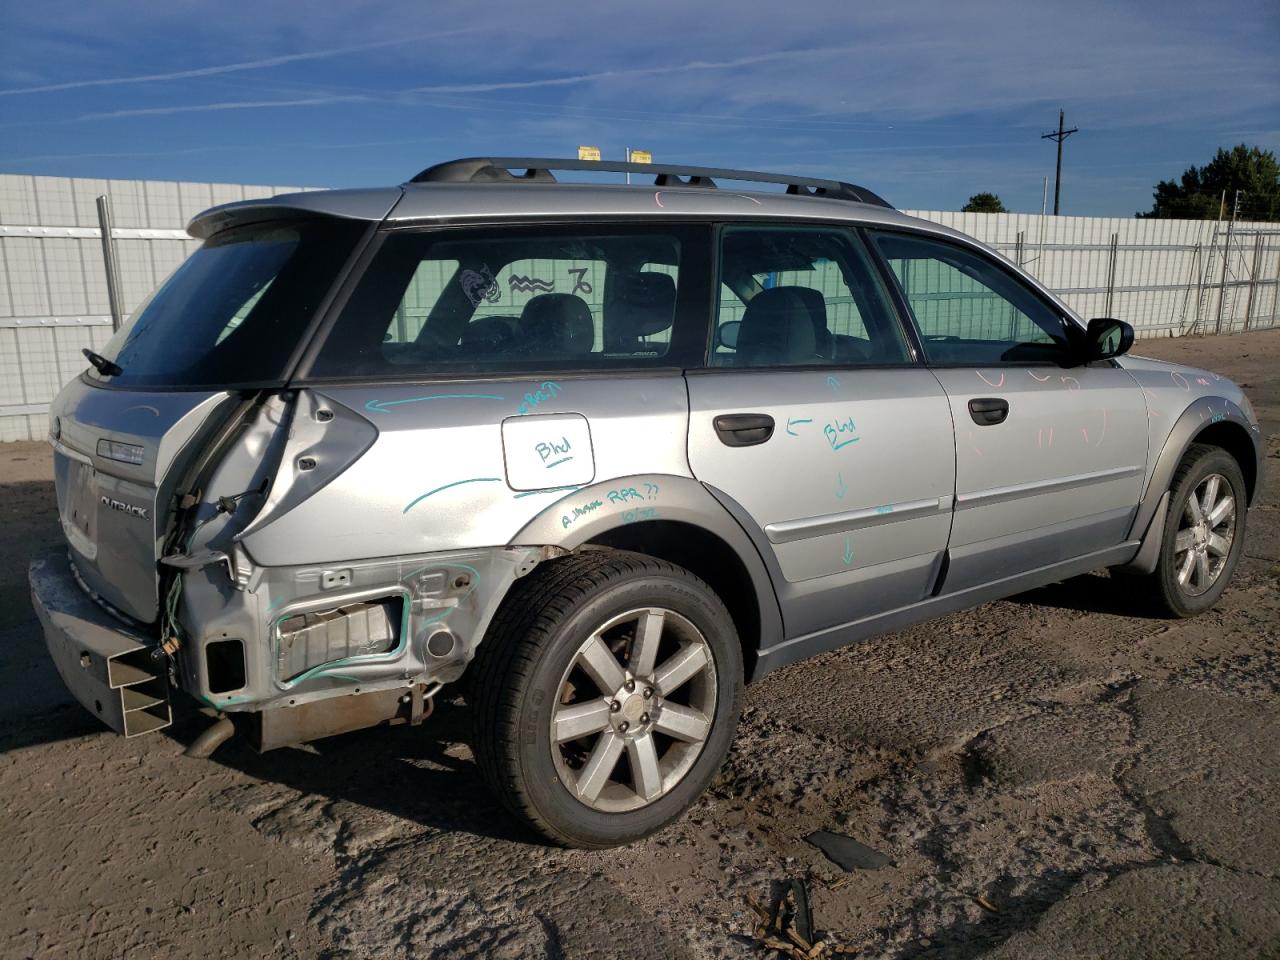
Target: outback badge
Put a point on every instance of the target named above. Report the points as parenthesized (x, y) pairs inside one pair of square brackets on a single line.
[(134, 511)]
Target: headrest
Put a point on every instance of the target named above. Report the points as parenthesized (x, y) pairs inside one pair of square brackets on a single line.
[(639, 304), (816, 304), (777, 327), (489, 331), (813, 301), (557, 323)]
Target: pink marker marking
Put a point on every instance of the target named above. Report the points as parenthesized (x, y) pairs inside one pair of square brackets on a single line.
[(657, 198), (1179, 378), (1073, 380), (988, 382), (1044, 379), (1202, 381)]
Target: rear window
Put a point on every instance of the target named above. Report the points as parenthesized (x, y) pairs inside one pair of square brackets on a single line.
[(461, 301), (234, 312)]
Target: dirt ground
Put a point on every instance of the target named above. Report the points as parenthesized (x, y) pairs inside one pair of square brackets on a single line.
[(1050, 777)]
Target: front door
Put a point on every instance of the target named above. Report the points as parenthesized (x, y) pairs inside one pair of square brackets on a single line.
[(1050, 456), (816, 425)]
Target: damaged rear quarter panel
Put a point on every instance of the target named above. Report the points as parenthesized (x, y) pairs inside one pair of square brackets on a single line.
[(426, 511), (436, 477)]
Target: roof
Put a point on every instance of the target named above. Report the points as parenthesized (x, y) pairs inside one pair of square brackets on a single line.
[(460, 202), (453, 202)]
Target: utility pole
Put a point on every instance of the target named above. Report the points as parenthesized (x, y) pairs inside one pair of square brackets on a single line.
[(1061, 135)]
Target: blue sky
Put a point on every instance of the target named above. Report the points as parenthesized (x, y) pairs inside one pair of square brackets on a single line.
[(926, 102)]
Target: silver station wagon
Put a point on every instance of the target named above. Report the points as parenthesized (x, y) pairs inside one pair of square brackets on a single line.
[(603, 453)]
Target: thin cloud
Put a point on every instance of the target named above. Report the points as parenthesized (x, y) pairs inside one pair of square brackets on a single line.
[(206, 107), (227, 67), (579, 78)]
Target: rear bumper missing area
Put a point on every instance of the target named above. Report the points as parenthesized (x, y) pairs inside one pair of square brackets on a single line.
[(107, 667)]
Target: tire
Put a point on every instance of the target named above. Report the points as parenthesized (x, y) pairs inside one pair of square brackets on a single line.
[(540, 664), (1179, 587)]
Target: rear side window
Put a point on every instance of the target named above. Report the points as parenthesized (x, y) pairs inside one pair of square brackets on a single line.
[(233, 314), (436, 303), (801, 296), (967, 309)]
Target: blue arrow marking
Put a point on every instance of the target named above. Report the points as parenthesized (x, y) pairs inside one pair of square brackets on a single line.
[(841, 489), (791, 422), (833, 383), (383, 406), (848, 552)]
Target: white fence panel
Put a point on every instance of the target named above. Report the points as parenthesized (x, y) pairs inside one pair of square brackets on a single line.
[(53, 288), (1164, 276)]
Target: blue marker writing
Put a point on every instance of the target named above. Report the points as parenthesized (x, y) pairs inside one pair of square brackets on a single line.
[(791, 423)]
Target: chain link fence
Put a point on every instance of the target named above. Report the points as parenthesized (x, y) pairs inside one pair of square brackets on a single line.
[(57, 295)]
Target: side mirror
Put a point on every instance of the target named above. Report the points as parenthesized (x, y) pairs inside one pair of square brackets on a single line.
[(727, 334), (1107, 338)]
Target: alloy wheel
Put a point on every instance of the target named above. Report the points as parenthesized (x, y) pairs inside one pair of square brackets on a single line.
[(633, 709), (1206, 529)]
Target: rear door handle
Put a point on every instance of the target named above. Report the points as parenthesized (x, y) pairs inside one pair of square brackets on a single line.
[(988, 411), (744, 429)]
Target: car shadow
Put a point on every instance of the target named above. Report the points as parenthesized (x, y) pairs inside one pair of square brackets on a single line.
[(1092, 593), (425, 774)]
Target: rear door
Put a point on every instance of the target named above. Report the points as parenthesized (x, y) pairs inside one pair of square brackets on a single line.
[(1050, 456), (504, 367), (815, 424)]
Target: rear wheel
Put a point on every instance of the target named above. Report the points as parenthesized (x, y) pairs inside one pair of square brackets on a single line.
[(1203, 532), (606, 693)]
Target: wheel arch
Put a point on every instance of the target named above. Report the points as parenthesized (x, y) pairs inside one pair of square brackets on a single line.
[(1209, 420), (676, 519), (708, 557), (1237, 441)]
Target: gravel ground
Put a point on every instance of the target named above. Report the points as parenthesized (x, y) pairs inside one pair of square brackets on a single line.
[(1049, 775)]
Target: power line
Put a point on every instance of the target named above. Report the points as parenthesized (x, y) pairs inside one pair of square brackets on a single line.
[(1059, 136)]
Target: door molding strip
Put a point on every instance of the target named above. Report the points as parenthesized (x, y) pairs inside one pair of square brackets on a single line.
[(997, 494), (786, 531)]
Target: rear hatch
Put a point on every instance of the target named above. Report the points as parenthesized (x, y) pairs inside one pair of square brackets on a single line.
[(114, 452), (227, 324)]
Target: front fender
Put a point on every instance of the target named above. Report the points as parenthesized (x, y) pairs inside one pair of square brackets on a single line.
[(1203, 413)]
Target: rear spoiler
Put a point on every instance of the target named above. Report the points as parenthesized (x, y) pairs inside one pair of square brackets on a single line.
[(370, 205)]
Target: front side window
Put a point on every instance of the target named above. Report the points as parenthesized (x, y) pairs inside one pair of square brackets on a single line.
[(968, 310), (799, 296), (486, 301)]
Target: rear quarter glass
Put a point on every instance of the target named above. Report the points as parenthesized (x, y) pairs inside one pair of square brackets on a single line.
[(234, 311)]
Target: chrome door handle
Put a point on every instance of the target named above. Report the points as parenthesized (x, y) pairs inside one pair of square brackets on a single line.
[(743, 429)]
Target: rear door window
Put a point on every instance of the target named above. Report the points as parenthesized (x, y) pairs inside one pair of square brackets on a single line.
[(802, 296), (445, 302)]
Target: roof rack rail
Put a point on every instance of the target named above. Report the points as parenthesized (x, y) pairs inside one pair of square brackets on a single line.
[(538, 170)]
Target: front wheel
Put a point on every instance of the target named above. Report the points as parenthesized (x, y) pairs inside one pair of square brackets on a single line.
[(606, 694), (1203, 533)]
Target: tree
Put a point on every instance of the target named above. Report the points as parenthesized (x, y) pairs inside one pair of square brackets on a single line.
[(1198, 195), (984, 203)]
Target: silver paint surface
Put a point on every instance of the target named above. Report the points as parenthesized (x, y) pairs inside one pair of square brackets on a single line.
[(441, 494)]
